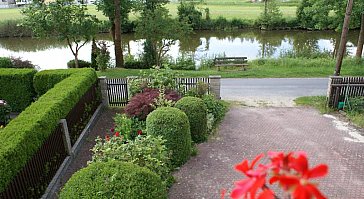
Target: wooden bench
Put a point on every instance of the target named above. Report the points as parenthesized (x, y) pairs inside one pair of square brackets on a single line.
[(231, 61)]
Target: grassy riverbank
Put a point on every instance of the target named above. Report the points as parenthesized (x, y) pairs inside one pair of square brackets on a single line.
[(229, 10), (270, 68)]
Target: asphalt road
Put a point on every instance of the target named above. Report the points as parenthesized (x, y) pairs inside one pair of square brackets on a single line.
[(271, 91)]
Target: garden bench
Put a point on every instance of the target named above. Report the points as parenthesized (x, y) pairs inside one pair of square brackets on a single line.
[(231, 61)]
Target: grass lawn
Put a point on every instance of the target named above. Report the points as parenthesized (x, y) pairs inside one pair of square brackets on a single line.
[(319, 102), (228, 10), (271, 68)]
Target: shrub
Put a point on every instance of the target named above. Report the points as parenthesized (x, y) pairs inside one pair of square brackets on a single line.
[(184, 62), (4, 112), (25, 134), (196, 112), (47, 79), (142, 103), (135, 64), (5, 62), (188, 12), (103, 57), (81, 64), (357, 104), (136, 85), (199, 91), (173, 125), (215, 107), (114, 179), (17, 87), (145, 151), (123, 125), (20, 63)]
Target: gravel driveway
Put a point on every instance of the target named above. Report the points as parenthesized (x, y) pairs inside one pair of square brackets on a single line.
[(247, 132)]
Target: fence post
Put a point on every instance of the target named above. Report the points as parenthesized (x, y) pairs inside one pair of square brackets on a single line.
[(215, 85), (66, 136), (329, 92), (103, 85)]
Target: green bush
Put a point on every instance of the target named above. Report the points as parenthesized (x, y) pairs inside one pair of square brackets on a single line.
[(25, 134), (5, 62), (196, 112), (81, 64), (135, 64), (17, 87), (145, 151), (45, 80), (173, 125), (215, 107), (114, 179)]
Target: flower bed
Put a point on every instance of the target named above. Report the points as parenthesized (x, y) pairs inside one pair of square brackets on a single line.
[(153, 133)]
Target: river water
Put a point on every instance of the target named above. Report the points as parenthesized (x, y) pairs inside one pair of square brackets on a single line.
[(53, 54)]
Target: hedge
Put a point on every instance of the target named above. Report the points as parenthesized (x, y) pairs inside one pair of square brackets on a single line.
[(5, 62), (173, 125), (196, 112), (114, 179), (17, 87), (24, 135), (45, 80)]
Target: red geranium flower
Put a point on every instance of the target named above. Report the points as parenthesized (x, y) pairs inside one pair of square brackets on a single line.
[(140, 132), (117, 134), (107, 138)]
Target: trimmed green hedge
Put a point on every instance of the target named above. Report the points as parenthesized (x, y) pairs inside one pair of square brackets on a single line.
[(173, 125), (196, 112), (114, 179), (24, 135), (17, 87), (45, 80), (5, 62)]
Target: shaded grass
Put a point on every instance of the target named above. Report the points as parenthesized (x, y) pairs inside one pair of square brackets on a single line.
[(271, 68), (319, 102), (229, 11)]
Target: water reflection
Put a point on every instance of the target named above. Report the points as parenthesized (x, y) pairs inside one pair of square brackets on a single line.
[(51, 54)]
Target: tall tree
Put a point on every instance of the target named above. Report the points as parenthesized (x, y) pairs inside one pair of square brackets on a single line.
[(161, 31), (359, 50), (113, 9), (65, 21), (119, 58), (343, 40)]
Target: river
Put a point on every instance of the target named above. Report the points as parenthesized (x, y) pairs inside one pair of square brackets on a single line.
[(53, 54)]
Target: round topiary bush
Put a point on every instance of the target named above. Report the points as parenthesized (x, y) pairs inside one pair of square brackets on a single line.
[(173, 125), (114, 179), (196, 112)]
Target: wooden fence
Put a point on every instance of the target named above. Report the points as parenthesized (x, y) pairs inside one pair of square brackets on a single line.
[(339, 87), (118, 94), (33, 179)]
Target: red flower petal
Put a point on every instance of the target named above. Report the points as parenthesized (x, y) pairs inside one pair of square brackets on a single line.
[(318, 171), (266, 194), (256, 160), (223, 192), (314, 191), (300, 164), (289, 180), (242, 187), (301, 193), (243, 166), (117, 134)]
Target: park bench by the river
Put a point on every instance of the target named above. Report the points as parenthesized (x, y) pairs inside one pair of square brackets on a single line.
[(231, 61)]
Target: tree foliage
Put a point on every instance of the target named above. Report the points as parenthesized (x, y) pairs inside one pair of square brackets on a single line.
[(271, 16), (62, 20), (323, 14), (158, 28)]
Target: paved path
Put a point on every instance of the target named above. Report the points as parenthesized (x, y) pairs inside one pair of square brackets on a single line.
[(271, 91), (247, 132)]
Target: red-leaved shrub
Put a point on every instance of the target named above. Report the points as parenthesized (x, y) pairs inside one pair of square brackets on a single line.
[(140, 105)]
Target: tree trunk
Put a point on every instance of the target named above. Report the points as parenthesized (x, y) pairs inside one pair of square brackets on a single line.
[(359, 50), (76, 60), (343, 40), (118, 50)]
